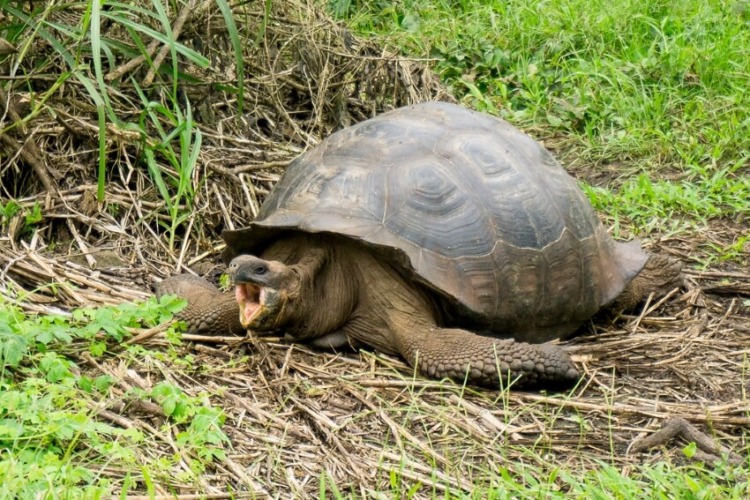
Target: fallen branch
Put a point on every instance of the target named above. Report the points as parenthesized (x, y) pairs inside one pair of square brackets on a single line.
[(679, 427)]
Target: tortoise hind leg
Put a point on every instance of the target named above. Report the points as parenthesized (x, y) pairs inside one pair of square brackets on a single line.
[(660, 275)]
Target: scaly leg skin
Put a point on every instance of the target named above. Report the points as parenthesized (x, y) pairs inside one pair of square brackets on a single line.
[(485, 361), (209, 311)]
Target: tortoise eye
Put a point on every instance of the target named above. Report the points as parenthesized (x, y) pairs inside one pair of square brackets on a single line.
[(260, 269)]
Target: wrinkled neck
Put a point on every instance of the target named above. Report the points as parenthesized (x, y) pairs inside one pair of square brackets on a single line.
[(328, 286)]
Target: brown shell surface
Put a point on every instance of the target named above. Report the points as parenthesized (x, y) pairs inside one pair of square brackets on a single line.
[(477, 210)]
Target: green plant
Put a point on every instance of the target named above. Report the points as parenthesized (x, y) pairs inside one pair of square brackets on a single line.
[(91, 60), (8, 210), (51, 439), (182, 157)]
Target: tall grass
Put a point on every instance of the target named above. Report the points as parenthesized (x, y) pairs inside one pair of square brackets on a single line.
[(80, 54)]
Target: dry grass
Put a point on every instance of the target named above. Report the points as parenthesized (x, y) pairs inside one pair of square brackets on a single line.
[(304, 79), (294, 415)]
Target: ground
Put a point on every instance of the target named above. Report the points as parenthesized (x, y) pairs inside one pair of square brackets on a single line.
[(299, 422)]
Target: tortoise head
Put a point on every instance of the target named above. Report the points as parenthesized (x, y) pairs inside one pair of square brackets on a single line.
[(264, 290)]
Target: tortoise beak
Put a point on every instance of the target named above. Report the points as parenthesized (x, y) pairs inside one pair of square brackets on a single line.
[(260, 306), (250, 299), (262, 289)]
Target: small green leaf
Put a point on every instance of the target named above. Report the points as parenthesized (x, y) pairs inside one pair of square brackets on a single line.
[(10, 429), (86, 384), (169, 405), (102, 383), (554, 120), (13, 348), (97, 349), (55, 367), (690, 449)]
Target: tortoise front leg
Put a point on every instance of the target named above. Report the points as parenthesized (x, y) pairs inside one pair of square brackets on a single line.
[(485, 361), (208, 310)]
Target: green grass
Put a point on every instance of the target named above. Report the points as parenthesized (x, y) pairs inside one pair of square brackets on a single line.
[(641, 197), (652, 87), (53, 443)]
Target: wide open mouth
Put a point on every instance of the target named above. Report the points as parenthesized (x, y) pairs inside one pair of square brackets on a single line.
[(251, 301)]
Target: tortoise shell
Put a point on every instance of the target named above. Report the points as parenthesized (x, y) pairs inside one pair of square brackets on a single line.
[(465, 204)]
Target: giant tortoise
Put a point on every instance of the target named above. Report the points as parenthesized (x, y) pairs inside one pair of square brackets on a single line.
[(439, 234)]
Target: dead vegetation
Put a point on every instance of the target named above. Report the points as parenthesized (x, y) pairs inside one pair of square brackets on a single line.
[(294, 415), (304, 78)]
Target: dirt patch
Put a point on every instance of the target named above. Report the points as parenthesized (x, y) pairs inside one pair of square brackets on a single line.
[(294, 414)]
